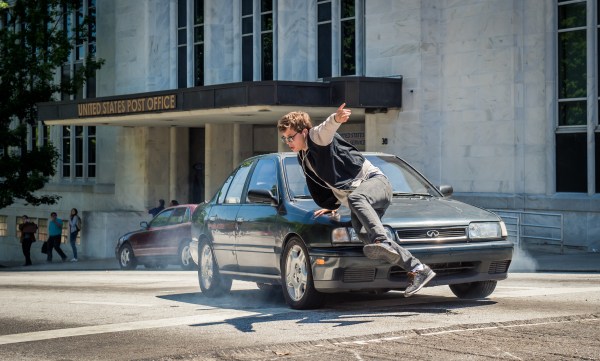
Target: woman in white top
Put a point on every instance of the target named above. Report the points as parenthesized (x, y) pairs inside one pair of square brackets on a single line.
[(74, 228)]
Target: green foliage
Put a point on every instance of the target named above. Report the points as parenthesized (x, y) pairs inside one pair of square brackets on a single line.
[(33, 47)]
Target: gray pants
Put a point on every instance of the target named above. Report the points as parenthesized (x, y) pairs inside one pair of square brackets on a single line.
[(368, 203)]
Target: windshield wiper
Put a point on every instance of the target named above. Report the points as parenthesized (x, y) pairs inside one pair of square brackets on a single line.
[(405, 194)]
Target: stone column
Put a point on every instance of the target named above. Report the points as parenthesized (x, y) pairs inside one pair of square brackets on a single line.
[(219, 156)]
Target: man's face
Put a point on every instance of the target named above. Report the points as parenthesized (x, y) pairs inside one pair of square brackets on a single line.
[(294, 140)]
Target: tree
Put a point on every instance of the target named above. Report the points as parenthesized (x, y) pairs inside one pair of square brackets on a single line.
[(33, 47)]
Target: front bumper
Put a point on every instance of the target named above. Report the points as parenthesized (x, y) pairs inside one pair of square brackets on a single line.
[(348, 269)]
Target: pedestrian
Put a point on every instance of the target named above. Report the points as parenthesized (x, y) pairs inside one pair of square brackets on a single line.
[(54, 233), (338, 174), (28, 230), (156, 210), (173, 203), (74, 228)]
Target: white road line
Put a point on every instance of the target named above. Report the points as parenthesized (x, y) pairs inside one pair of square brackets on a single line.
[(112, 303), (543, 291), (218, 315)]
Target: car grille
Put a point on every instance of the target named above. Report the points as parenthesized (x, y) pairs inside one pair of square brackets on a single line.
[(359, 275), (441, 269), (440, 234), (499, 267)]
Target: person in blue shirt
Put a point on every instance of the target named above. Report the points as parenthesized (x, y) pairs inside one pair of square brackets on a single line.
[(156, 210), (54, 233)]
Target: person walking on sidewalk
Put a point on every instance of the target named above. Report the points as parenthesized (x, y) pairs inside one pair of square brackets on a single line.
[(54, 234), (28, 230), (337, 173), (74, 228)]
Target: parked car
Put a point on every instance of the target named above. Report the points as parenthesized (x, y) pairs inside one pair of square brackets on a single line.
[(260, 227), (165, 240)]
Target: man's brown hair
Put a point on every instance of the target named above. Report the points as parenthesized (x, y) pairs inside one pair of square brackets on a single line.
[(297, 121)]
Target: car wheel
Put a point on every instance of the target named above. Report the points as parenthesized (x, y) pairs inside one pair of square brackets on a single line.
[(296, 277), (211, 282), (185, 258), (126, 257), (474, 290)]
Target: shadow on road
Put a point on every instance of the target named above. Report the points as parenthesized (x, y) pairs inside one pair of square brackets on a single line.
[(340, 310)]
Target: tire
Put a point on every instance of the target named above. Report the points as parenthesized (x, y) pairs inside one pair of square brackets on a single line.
[(127, 258), (210, 280), (474, 290), (296, 277), (185, 258)]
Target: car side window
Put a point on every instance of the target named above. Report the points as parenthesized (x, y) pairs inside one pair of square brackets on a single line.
[(224, 189), (264, 177), (177, 216), (162, 219), (234, 194)]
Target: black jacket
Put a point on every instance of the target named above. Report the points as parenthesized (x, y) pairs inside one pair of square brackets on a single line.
[(337, 163)]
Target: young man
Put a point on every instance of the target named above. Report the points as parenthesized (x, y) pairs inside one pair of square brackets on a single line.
[(337, 173), (54, 233)]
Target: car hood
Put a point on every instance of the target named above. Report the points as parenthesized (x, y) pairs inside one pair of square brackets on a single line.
[(128, 234), (409, 212), (432, 211)]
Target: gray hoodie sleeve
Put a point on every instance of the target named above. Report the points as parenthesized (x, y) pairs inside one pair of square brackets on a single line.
[(323, 133)]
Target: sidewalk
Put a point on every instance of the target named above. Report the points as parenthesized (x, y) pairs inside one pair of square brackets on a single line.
[(523, 261), (58, 265)]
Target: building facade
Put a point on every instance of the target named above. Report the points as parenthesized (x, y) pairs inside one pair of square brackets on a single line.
[(497, 98)]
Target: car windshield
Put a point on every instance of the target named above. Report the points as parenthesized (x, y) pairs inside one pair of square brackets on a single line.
[(404, 179)]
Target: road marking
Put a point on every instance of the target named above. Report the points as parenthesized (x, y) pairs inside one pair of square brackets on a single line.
[(112, 303), (507, 326), (218, 315), (543, 291)]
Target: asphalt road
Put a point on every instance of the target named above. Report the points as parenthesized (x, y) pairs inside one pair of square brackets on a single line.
[(161, 315)]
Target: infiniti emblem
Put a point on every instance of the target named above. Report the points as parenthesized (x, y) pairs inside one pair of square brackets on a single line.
[(433, 233)]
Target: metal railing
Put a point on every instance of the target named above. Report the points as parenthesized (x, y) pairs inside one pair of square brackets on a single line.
[(533, 227)]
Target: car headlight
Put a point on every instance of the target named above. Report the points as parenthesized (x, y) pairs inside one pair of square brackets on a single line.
[(480, 230), (389, 233), (344, 235), (348, 235)]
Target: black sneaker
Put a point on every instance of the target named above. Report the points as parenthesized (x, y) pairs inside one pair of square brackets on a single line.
[(418, 280), (381, 250)]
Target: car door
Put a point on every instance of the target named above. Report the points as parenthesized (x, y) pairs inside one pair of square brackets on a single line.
[(177, 229), (147, 241), (221, 219), (257, 224)]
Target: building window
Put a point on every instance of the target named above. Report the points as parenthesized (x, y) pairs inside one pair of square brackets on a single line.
[(338, 45), (78, 150), (4, 225), (190, 34), (258, 22), (81, 26), (573, 86)]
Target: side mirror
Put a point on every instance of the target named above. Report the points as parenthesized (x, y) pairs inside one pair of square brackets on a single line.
[(144, 225), (446, 190), (262, 196)]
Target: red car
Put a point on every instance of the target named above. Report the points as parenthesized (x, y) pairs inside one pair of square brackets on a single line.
[(165, 240)]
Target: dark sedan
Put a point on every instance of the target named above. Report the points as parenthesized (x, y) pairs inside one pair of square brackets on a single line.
[(165, 240), (260, 227)]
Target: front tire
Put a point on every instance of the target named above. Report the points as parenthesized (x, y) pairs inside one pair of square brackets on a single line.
[(185, 258), (474, 290), (127, 258), (296, 277), (212, 283)]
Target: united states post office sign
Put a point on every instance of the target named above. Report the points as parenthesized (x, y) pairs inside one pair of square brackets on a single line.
[(127, 106)]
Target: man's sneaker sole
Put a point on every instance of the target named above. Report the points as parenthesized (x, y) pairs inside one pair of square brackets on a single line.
[(380, 251), (429, 277)]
